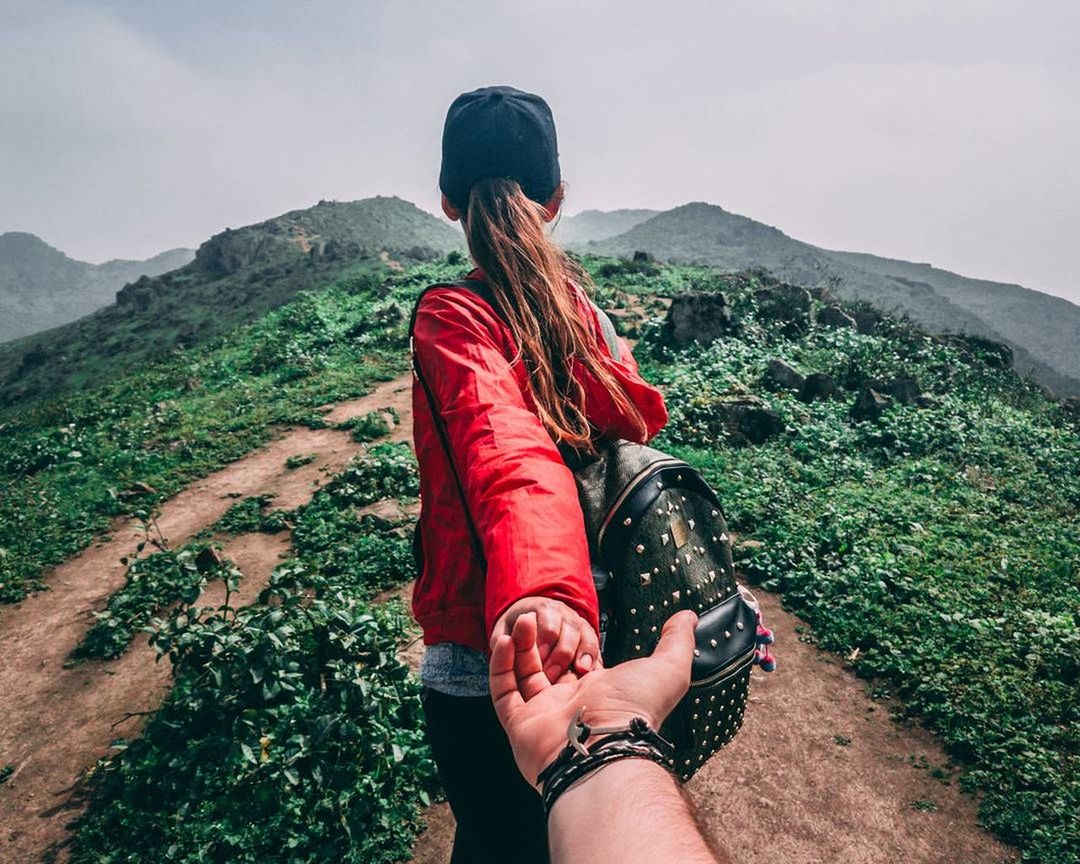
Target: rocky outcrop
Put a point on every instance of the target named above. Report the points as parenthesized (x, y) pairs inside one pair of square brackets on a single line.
[(818, 386), (743, 420), (780, 376), (869, 405), (697, 316), (996, 355), (787, 306), (834, 316)]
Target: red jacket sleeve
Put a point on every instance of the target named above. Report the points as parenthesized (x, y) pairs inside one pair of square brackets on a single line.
[(521, 495)]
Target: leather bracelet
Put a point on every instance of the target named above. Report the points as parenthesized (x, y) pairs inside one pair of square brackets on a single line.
[(637, 741)]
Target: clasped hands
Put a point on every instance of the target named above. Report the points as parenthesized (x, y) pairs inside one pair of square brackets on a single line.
[(536, 708)]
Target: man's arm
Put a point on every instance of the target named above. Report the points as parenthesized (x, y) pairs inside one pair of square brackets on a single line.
[(629, 811)]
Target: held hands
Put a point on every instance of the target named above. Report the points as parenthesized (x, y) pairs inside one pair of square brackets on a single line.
[(565, 641), (536, 712)]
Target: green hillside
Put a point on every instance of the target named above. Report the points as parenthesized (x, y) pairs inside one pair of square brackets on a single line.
[(934, 529), (236, 276), (1043, 331), (41, 287)]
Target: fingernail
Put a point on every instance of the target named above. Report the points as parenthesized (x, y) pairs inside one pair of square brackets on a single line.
[(585, 662)]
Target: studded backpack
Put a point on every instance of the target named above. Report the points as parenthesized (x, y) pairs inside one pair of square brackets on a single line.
[(658, 542)]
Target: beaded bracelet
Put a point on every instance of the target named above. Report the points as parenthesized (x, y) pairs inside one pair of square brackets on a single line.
[(637, 741)]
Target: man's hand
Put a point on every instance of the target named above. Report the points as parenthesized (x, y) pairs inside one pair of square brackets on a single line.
[(536, 713), (564, 639)]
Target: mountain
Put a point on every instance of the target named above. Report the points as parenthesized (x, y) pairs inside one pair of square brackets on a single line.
[(1043, 331), (598, 224), (41, 287), (235, 277)]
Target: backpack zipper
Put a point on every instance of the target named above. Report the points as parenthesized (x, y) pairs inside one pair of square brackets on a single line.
[(732, 667), (643, 474)]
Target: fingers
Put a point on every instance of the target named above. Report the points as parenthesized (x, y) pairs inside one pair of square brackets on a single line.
[(528, 668), (549, 622), (588, 653), (676, 646), (565, 650), (503, 681)]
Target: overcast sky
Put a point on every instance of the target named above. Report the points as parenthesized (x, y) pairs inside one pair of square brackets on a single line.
[(944, 131)]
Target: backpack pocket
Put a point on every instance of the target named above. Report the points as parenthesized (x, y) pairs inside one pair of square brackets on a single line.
[(711, 712)]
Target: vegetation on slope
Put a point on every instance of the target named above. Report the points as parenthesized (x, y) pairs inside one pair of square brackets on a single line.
[(942, 542), (41, 287), (237, 276), (1041, 329)]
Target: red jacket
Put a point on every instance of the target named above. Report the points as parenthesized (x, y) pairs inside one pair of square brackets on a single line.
[(521, 495)]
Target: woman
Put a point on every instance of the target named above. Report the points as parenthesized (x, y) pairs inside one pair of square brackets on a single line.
[(512, 381)]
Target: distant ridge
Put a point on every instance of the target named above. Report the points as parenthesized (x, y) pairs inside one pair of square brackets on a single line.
[(41, 287), (1043, 331), (598, 224), (236, 276)]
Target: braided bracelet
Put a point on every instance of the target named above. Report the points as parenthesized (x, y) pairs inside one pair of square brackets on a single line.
[(635, 741)]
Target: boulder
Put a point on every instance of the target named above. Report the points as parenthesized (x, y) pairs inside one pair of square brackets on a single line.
[(866, 318), (925, 400), (996, 355), (869, 405), (789, 306), (745, 420), (640, 256), (903, 388), (697, 316), (780, 376), (817, 386), (834, 316)]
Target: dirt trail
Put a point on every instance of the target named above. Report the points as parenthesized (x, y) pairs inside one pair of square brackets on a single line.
[(819, 772), (789, 791), (56, 722)]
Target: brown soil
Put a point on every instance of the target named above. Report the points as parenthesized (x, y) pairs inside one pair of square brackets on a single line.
[(56, 721), (788, 789)]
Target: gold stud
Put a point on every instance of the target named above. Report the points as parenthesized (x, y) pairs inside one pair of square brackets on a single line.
[(690, 522), (652, 629), (627, 521), (678, 479), (664, 603), (672, 568), (676, 595), (664, 539), (640, 548), (651, 607), (633, 611), (655, 569), (713, 643), (739, 625), (727, 634), (697, 700), (715, 512), (723, 538), (659, 485), (637, 647), (712, 574), (697, 653), (646, 578), (687, 557)]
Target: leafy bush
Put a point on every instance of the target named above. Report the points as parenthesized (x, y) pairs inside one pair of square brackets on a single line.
[(252, 515), (152, 583)]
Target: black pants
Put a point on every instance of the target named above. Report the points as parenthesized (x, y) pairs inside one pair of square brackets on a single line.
[(499, 816)]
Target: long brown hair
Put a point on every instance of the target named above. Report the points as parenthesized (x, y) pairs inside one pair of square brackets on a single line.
[(528, 276)]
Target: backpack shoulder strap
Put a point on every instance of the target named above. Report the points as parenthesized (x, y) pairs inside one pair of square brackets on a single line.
[(481, 289)]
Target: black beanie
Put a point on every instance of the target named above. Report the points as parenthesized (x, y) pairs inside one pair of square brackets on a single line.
[(499, 132)]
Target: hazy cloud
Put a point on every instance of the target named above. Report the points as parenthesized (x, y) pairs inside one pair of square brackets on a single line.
[(933, 132)]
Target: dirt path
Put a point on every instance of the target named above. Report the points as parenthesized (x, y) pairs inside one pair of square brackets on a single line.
[(788, 790), (819, 772), (56, 722)]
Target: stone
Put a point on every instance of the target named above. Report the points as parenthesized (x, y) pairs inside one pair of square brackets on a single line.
[(640, 256), (866, 318), (697, 316), (869, 405), (745, 420), (996, 355), (903, 388), (925, 400), (818, 386), (834, 316), (780, 376), (788, 306)]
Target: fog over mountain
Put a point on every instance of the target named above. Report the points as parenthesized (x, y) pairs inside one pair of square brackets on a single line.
[(41, 287)]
